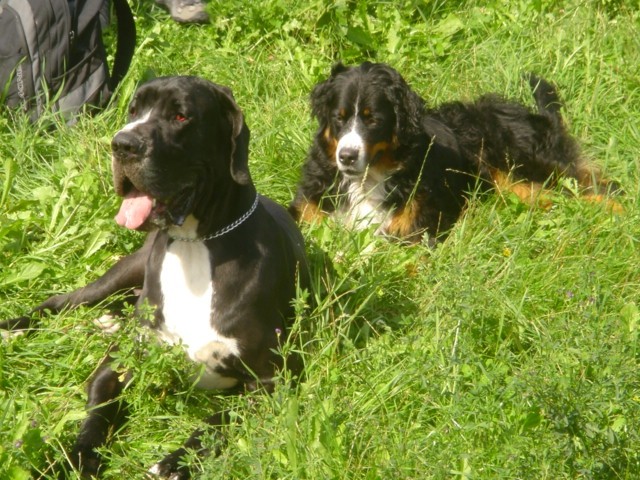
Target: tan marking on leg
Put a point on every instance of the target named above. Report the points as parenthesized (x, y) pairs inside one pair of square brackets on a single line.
[(588, 175), (403, 222), (610, 205), (309, 212), (531, 193)]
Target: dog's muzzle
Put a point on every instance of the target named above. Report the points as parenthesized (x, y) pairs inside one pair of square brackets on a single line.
[(143, 207), (127, 146)]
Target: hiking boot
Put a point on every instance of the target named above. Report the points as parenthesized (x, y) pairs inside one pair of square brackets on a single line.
[(186, 11)]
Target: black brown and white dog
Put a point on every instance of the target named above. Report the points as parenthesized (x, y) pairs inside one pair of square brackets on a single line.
[(380, 156), (221, 266)]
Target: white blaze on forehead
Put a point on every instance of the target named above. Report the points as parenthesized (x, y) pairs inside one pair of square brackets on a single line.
[(353, 140), (131, 125)]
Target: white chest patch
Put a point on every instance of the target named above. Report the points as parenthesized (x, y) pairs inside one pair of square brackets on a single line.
[(188, 305), (365, 204)]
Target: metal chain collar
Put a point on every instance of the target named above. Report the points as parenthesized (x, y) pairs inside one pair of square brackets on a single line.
[(232, 226)]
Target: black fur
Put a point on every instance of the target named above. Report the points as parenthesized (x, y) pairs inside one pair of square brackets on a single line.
[(184, 155), (432, 157)]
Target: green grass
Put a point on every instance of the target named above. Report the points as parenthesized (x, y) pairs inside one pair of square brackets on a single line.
[(509, 352)]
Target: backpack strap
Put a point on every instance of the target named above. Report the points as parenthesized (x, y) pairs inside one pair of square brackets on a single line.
[(126, 42), (87, 11)]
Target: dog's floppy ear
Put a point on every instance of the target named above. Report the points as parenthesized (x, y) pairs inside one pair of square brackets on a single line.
[(322, 95), (240, 151), (407, 105), (239, 139)]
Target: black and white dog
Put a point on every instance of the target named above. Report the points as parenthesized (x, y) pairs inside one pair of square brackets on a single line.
[(221, 266)]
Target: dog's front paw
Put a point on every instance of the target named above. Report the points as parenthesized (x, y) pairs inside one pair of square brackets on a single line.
[(16, 326), (109, 324), (86, 460), (169, 467)]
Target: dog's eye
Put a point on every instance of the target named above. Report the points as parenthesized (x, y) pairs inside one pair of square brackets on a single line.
[(368, 117), (132, 111)]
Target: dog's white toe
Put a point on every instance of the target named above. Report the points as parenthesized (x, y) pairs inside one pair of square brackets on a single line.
[(107, 323)]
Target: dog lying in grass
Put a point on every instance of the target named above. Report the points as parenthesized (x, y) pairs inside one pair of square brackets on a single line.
[(220, 269), (380, 156)]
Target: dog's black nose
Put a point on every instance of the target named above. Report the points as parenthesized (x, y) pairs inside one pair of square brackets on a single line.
[(348, 155), (127, 144)]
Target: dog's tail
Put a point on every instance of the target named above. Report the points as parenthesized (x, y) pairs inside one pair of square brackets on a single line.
[(546, 97), (588, 175)]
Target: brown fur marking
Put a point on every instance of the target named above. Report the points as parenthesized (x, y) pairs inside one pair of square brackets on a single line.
[(531, 193), (403, 221), (331, 144), (386, 162), (309, 212)]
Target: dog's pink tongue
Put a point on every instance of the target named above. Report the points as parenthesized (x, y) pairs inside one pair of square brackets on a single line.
[(135, 209)]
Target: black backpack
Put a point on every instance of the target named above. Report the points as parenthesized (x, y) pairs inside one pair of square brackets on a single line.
[(52, 54)]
